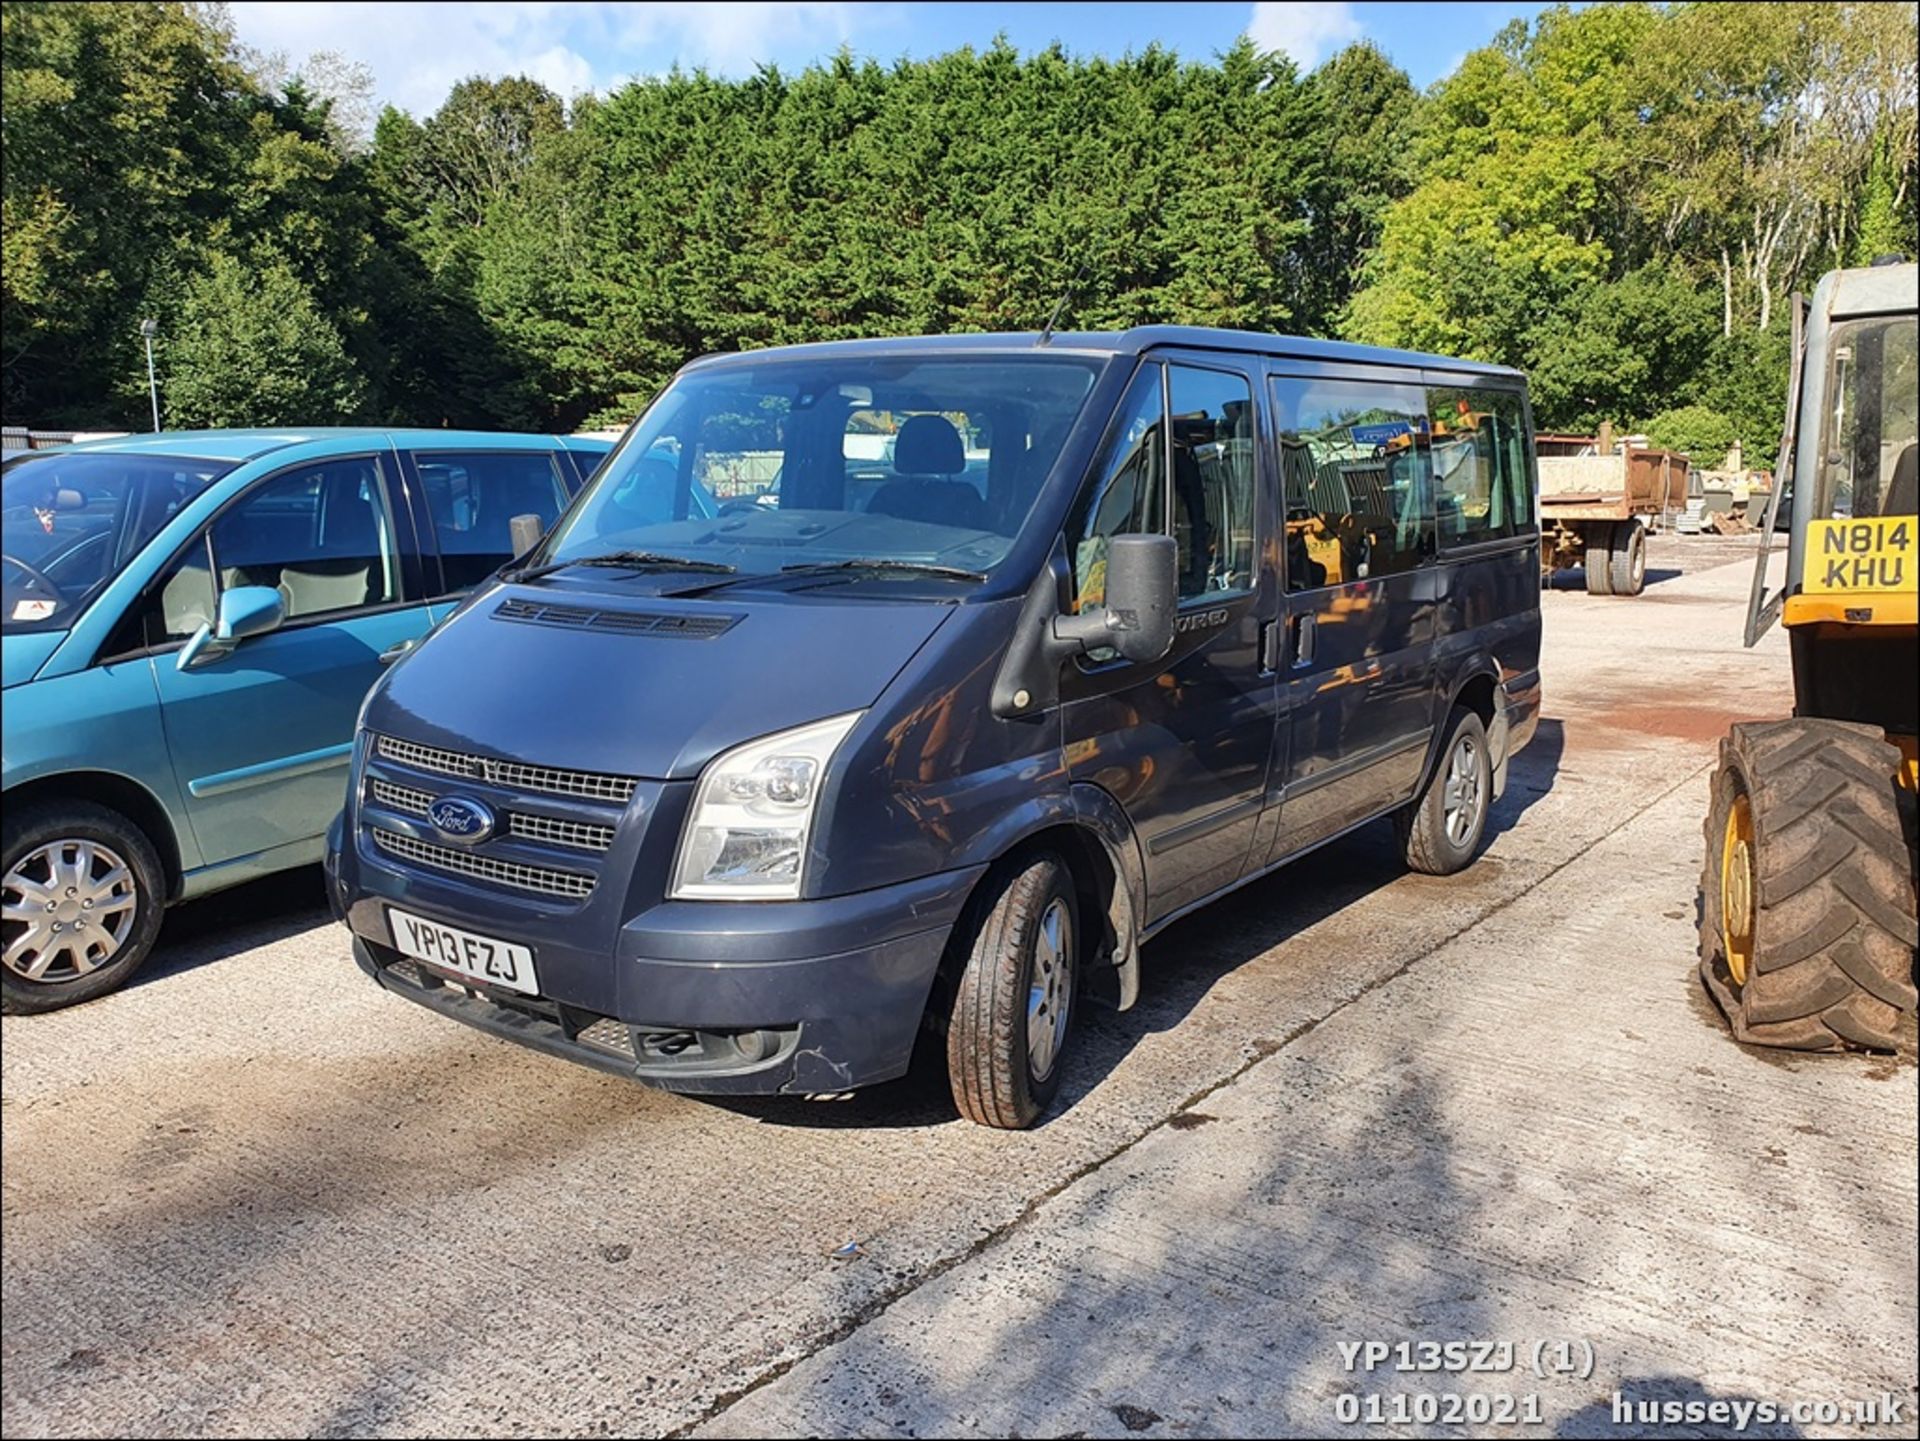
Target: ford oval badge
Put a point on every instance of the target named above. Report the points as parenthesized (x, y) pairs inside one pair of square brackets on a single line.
[(461, 819)]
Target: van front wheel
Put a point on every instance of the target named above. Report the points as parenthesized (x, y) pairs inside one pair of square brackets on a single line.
[(1441, 830), (1013, 1008)]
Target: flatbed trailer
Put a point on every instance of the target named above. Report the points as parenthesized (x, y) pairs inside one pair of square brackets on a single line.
[(1596, 509)]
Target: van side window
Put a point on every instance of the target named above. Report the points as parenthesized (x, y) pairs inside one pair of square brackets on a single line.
[(1354, 470), (1212, 492), (473, 497), (1131, 495), (1482, 490)]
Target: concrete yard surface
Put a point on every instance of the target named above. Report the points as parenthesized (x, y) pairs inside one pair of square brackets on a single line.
[(253, 1194)]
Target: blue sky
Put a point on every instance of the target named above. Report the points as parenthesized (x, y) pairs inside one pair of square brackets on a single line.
[(418, 51)]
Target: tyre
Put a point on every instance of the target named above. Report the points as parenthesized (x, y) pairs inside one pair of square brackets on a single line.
[(81, 891), (1627, 559), (1598, 560), (1441, 829), (1807, 913), (1013, 1008)]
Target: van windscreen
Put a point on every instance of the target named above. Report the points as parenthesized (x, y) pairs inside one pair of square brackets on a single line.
[(917, 461)]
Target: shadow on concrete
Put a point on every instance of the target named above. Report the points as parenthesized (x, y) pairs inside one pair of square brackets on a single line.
[(234, 921)]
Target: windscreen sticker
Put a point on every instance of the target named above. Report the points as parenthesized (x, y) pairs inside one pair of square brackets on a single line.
[(34, 609)]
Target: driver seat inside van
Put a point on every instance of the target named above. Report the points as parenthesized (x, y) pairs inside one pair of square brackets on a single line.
[(927, 450)]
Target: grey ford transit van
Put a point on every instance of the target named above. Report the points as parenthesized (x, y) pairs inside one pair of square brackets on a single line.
[(983, 659)]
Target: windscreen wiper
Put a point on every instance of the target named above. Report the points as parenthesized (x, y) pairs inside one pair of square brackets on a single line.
[(831, 567), (625, 560)]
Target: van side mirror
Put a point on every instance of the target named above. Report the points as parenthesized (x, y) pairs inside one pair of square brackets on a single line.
[(1143, 584), (524, 532), (246, 610)]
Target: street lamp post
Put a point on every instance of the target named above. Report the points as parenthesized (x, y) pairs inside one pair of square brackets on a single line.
[(147, 328)]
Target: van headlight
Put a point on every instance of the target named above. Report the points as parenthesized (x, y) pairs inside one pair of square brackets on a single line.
[(746, 836)]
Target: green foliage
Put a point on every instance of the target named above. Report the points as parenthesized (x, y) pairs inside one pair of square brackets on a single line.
[(251, 348), (1616, 199), (1703, 434)]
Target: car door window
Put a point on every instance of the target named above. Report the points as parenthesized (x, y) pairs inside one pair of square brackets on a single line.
[(323, 535), (1354, 471), (473, 497)]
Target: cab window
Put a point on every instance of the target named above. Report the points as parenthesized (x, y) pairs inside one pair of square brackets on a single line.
[(1130, 496), (1212, 439), (1355, 473)]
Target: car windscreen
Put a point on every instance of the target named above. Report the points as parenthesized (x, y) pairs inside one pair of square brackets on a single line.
[(930, 461), (70, 520)]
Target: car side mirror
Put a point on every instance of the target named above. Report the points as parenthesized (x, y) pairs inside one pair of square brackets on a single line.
[(244, 612), (1143, 584)]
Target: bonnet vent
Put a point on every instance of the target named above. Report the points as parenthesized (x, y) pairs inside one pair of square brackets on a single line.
[(626, 622)]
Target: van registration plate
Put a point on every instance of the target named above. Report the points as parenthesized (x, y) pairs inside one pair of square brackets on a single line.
[(480, 958)]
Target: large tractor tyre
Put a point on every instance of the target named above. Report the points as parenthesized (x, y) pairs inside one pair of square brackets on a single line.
[(1013, 1010), (81, 891), (1627, 559), (1598, 560), (1807, 906)]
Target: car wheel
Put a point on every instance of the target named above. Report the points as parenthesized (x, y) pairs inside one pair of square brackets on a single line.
[(81, 891), (1441, 830), (1013, 1009)]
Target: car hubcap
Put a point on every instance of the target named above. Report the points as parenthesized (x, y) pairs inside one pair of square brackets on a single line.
[(1050, 996), (67, 909), (1460, 794), (1736, 889)]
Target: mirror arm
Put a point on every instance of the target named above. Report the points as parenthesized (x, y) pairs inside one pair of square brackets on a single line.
[(1028, 682)]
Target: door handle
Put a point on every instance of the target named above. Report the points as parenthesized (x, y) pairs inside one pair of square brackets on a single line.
[(1270, 647), (1305, 628), (393, 652)]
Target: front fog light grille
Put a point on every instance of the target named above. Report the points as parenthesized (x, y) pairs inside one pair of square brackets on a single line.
[(542, 880)]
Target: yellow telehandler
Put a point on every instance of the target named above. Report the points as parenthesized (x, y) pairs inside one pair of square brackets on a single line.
[(1807, 926)]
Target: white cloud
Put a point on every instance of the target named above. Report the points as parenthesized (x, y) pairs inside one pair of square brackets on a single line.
[(1307, 32), (419, 51)]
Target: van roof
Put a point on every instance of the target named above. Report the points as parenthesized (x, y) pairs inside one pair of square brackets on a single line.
[(1119, 342), (244, 445)]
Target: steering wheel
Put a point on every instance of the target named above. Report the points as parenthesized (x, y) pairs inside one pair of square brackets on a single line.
[(34, 573)]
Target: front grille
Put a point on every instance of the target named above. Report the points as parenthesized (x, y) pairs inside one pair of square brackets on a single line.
[(542, 880), (548, 829), (625, 622), (402, 798), (555, 831), (515, 775)]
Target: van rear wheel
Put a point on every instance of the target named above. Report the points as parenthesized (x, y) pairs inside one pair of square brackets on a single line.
[(1440, 831), (1013, 1009), (80, 898)]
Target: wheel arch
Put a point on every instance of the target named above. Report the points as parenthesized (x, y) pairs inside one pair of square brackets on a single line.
[(1092, 834), (117, 793)]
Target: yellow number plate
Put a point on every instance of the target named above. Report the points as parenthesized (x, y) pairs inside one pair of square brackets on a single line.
[(1856, 555)]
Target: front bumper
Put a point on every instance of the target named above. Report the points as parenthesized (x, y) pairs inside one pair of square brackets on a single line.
[(734, 998)]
